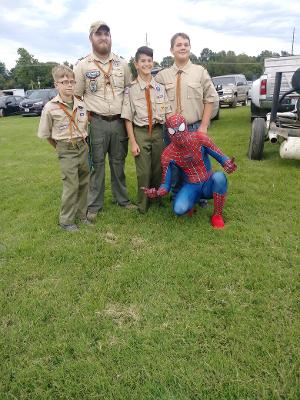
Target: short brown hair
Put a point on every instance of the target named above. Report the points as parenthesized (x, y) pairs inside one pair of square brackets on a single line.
[(181, 34), (59, 71), (143, 50)]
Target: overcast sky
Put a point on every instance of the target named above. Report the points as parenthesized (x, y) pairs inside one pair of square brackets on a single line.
[(57, 30)]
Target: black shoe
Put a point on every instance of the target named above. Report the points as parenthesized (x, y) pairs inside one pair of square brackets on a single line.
[(69, 227)]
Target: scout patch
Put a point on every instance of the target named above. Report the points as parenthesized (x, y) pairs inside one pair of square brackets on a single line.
[(116, 63), (93, 86), (92, 74), (157, 88)]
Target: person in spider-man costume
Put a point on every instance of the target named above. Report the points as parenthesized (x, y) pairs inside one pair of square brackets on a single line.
[(190, 152)]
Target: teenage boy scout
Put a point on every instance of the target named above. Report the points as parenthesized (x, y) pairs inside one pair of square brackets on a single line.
[(189, 87), (144, 109), (63, 123), (101, 78)]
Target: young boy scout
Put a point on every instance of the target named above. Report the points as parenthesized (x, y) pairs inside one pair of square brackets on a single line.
[(63, 123), (144, 110)]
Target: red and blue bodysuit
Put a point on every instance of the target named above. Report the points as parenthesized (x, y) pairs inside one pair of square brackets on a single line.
[(190, 152)]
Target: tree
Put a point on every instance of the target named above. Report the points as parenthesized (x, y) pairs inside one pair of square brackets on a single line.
[(167, 62)]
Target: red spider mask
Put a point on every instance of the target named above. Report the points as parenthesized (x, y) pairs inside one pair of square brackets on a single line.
[(176, 126)]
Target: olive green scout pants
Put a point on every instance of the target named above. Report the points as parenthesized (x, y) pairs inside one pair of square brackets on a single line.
[(107, 137), (147, 163), (75, 177)]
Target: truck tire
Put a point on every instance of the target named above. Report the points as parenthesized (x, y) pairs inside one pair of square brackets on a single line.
[(257, 139), (234, 103), (257, 112), (217, 116)]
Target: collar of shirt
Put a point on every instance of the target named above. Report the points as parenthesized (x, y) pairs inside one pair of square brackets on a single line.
[(111, 56), (184, 69), (144, 84), (58, 99)]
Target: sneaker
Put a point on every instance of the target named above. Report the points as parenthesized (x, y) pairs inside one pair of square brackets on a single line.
[(129, 206), (90, 216), (69, 227), (85, 221)]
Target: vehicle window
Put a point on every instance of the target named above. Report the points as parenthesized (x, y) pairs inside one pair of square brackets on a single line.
[(226, 80)]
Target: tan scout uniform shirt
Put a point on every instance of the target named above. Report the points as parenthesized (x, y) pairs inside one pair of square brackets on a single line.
[(135, 104), (91, 84), (55, 124), (196, 89)]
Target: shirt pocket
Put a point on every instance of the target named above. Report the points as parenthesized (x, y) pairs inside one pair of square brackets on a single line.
[(170, 89), (81, 119), (194, 91), (141, 106), (118, 77), (160, 106)]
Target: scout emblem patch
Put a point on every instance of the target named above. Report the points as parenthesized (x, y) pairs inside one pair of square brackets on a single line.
[(92, 76)]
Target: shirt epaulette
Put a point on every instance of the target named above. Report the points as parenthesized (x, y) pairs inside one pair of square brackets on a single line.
[(82, 58)]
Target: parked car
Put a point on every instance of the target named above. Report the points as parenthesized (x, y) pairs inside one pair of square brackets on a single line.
[(263, 87), (10, 105), (232, 89), (34, 103)]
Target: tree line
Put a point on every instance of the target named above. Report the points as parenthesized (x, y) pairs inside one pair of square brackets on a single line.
[(29, 73)]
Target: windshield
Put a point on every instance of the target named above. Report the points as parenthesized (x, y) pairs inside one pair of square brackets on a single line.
[(224, 80), (38, 94)]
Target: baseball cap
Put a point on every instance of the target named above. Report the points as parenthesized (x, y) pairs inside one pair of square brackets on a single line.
[(98, 24)]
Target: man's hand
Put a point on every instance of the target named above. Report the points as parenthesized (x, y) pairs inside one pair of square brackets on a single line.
[(230, 166)]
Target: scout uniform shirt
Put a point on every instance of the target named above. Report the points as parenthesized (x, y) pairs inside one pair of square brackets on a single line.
[(56, 124), (135, 103), (103, 92), (196, 89)]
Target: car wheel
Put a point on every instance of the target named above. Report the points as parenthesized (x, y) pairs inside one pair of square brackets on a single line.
[(244, 103), (234, 103), (257, 139)]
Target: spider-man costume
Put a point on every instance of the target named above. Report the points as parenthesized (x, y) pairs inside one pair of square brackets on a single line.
[(190, 152)]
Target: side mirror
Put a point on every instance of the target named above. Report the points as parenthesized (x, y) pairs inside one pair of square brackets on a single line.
[(296, 81)]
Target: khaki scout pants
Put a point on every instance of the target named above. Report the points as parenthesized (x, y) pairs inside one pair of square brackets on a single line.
[(107, 137), (75, 177), (147, 163)]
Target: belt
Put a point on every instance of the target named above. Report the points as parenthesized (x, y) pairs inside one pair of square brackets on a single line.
[(147, 126), (105, 117)]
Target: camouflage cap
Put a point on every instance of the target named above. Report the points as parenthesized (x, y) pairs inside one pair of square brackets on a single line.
[(98, 24)]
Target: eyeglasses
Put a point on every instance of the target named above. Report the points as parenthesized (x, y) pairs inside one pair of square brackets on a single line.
[(67, 82)]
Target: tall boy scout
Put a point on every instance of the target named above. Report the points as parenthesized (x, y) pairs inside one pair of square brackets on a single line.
[(101, 79), (63, 123), (144, 109)]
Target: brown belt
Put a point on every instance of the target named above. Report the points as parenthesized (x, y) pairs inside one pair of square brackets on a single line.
[(106, 117)]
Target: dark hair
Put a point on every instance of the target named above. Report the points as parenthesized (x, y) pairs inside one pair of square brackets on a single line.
[(179, 34), (143, 50)]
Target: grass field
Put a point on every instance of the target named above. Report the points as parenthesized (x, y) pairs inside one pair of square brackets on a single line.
[(149, 307)]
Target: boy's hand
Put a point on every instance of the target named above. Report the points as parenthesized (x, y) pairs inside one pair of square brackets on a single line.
[(135, 150)]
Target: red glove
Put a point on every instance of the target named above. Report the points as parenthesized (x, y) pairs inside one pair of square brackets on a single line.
[(152, 193), (230, 166)]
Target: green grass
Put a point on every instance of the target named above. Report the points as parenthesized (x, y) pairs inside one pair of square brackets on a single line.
[(149, 307)]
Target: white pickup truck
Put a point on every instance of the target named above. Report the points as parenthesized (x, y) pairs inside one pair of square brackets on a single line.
[(263, 88)]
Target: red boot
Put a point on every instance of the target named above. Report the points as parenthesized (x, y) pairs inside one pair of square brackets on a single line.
[(217, 221)]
